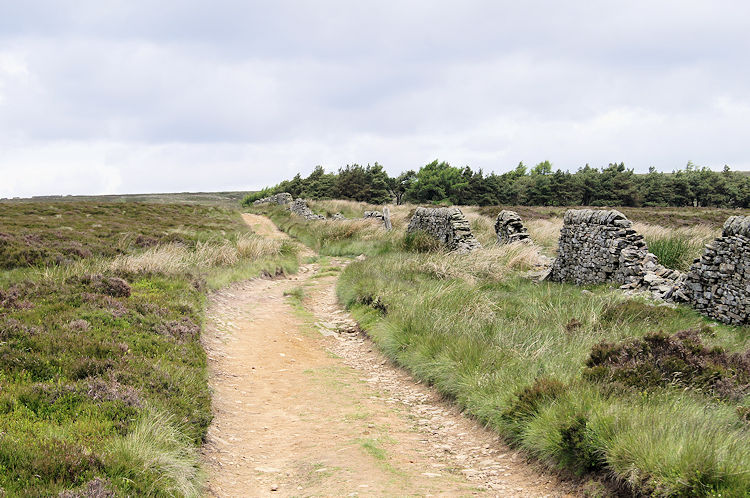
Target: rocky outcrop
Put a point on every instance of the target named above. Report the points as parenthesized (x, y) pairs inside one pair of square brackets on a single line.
[(509, 228), (718, 284), (338, 216), (282, 199), (300, 208), (373, 214), (448, 225)]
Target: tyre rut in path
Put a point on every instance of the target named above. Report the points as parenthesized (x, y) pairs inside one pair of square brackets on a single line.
[(304, 405)]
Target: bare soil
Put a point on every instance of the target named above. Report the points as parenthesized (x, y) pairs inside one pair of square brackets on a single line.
[(305, 405)]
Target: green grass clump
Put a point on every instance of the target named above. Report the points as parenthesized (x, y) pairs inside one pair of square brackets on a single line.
[(155, 457), (676, 251), (420, 241)]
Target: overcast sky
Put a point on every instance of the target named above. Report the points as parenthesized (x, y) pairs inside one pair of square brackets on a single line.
[(128, 96)]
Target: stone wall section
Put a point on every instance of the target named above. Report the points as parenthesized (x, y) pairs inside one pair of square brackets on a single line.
[(448, 225), (282, 199), (597, 247), (718, 284), (300, 208), (509, 228)]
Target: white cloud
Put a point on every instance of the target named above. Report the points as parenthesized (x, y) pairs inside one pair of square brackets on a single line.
[(133, 96)]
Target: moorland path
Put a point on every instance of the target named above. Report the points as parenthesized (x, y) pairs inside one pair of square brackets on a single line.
[(304, 405)]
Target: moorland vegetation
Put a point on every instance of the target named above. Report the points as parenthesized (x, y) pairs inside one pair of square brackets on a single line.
[(654, 398), (103, 381)]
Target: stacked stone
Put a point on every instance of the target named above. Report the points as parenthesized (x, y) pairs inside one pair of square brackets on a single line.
[(300, 208), (592, 247), (282, 199), (601, 246), (373, 214), (718, 284), (448, 225), (338, 216), (662, 282), (509, 228)]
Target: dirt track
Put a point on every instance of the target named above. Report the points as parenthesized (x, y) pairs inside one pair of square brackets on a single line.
[(305, 406)]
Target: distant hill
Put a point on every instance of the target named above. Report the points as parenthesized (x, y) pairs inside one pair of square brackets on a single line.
[(226, 199)]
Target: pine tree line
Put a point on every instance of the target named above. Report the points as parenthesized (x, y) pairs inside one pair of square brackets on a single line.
[(441, 183)]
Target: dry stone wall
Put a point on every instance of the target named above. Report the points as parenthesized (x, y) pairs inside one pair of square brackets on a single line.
[(601, 246), (509, 228), (448, 225), (597, 247), (718, 284), (300, 208), (282, 199)]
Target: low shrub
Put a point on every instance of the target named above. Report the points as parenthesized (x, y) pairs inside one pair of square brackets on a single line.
[(100, 354), (661, 360), (528, 401)]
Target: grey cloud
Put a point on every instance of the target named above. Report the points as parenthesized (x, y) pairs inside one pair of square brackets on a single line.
[(263, 89)]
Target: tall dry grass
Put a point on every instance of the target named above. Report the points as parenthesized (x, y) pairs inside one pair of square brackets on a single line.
[(702, 234), (176, 258), (545, 232), (494, 263), (350, 209)]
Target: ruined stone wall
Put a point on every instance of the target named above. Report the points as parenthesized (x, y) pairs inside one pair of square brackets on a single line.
[(282, 199), (373, 214), (300, 208), (448, 225), (601, 246), (597, 247), (509, 228), (718, 284)]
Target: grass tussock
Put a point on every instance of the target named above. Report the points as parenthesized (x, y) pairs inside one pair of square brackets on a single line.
[(156, 456), (494, 264), (677, 248), (337, 237)]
